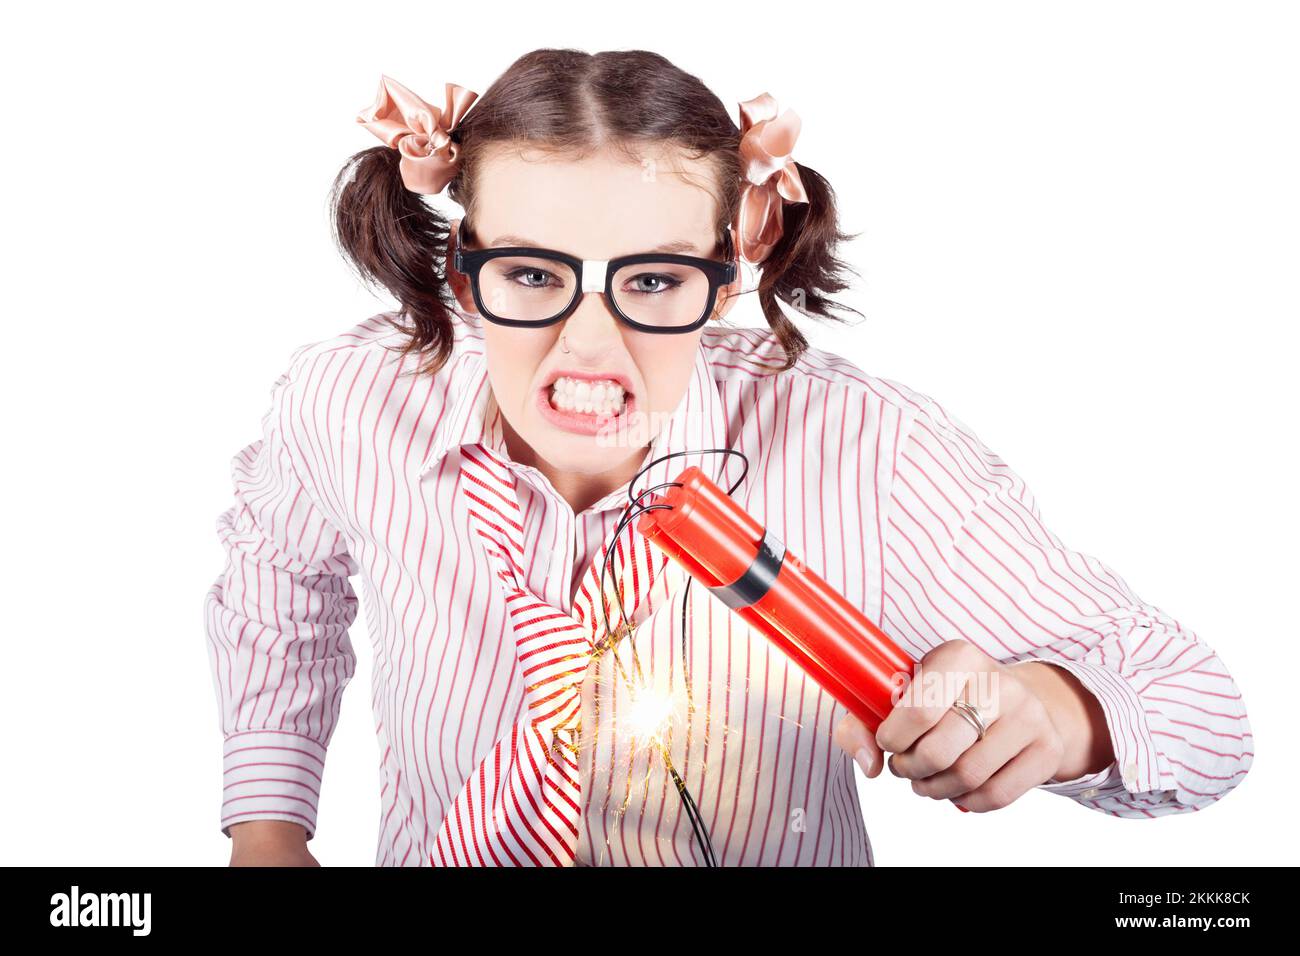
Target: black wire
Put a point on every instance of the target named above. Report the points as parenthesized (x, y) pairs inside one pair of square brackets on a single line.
[(634, 499), (697, 821), (698, 828), (700, 451), (634, 510)]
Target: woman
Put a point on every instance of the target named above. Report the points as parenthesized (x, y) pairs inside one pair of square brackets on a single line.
[(560, 349)]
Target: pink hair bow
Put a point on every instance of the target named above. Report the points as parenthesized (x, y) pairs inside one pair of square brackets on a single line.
[(419, 131), (771, 177)]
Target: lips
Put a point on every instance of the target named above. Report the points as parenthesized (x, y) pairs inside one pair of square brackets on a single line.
[(584, 423)]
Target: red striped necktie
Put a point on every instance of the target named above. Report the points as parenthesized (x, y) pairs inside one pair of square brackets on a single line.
[(521, 806)]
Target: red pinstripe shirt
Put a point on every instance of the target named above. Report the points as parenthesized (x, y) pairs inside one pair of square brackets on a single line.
[(897, 503)]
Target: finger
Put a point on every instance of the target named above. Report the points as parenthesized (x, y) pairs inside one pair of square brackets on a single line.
[(1006, 738), (853, 737), (923, 702), (1029, 768), (937, 750)]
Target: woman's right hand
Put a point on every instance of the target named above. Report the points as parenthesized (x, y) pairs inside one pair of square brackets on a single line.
[(269, 843)]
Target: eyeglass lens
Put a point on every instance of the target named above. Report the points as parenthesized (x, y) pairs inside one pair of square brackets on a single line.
[(534, 289)]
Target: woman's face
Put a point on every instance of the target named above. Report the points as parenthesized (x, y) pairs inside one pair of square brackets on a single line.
[(597, 207)]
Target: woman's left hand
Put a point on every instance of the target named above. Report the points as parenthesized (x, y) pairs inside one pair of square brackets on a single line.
[(1042, 725)]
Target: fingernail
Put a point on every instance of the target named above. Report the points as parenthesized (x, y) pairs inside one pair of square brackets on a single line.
[(865, 760)]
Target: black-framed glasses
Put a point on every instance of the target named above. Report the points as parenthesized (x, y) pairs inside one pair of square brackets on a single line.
[(651, 291)]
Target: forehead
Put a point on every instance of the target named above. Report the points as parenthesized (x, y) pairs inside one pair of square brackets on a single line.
[(598, 205)]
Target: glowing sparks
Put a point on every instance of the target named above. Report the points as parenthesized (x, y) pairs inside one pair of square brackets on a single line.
[(648, 714)]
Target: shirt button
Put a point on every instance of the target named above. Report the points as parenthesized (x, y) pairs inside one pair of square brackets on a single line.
[(1130, 773), (1090, 792)]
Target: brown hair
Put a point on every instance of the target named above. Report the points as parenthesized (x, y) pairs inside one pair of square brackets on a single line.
[(572, 101)]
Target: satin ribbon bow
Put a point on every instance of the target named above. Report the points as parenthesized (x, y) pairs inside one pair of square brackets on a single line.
[(419, 131), (771, 177)]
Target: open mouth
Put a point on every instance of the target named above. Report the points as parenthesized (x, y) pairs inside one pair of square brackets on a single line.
[(584, 405), (605, 397)]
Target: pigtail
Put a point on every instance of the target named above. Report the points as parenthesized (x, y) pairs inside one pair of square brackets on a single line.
[(393, 239), (573, 101), (802, 269)]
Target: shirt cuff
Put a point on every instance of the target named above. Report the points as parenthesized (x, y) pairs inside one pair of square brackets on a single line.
[(1087, 786), (271, 775), (1135, 766)]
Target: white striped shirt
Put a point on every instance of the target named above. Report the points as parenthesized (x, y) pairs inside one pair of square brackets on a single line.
[(895, 502)]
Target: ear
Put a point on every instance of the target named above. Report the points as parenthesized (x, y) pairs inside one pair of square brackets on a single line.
[(458, 281)]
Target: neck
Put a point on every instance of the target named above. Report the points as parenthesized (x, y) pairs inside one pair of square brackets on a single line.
[(581, 491)]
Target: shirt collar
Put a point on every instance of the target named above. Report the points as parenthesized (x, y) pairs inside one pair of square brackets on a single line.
[(699, 421), (471, 413)]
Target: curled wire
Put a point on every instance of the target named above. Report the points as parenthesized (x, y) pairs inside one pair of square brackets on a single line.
[(634, 509)]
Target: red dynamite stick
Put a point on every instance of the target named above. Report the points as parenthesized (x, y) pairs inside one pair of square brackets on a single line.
[(832, 684), (717, 543), (726, 550)]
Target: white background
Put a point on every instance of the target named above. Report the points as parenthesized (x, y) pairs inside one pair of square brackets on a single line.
[(1078, 232)]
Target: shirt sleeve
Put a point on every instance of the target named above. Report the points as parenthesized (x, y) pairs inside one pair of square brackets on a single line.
[(968, 556), (277, 622)]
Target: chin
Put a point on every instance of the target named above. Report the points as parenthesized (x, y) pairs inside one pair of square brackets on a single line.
[(579, 454)]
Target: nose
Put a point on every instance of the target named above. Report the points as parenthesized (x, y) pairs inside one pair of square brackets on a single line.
[(593, 329)]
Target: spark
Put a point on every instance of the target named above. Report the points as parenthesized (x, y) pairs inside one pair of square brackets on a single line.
[(648, 714)]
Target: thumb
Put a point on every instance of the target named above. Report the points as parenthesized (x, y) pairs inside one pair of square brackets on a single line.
[(852, 736)]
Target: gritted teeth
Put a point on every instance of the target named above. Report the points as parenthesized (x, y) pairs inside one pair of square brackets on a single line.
[(579, 395)]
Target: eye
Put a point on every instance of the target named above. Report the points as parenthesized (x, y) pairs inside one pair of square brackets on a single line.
[(651, 283), (532, 277)]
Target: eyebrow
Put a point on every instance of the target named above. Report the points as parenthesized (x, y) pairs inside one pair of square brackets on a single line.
[(676, 246)]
